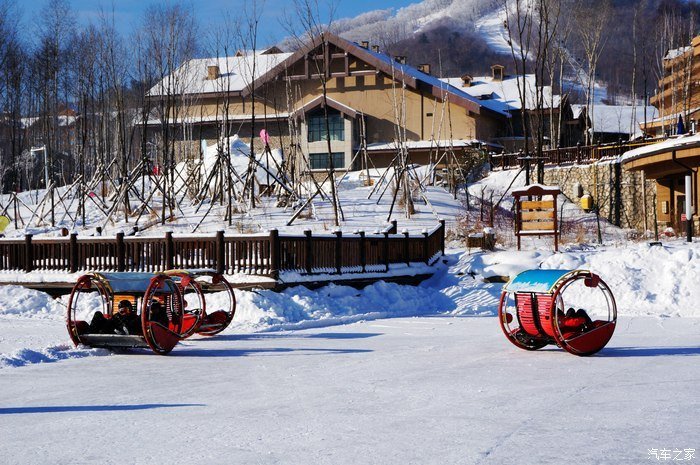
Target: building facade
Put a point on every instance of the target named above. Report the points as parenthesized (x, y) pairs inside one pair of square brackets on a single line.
[(361, 99)]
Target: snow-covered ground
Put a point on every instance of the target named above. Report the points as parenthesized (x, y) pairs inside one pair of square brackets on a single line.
[(428, 390), (363, 208), (394, 374), (386, 374)]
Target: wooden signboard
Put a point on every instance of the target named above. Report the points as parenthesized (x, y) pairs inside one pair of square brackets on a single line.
[(536, 212)]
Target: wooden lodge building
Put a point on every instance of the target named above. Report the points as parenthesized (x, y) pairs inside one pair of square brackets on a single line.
[(669, 162), (372, 100)]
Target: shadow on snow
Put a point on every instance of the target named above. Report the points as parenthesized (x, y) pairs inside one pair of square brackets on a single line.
[(276, 351), (89, 408)]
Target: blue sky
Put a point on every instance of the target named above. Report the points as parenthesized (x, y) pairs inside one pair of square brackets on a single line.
[(209, 12)]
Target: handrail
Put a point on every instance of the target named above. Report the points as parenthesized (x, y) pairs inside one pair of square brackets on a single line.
[(256, 254)]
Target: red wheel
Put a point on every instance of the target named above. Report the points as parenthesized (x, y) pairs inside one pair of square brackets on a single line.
[(162, 317), (218, 320), (594, 335), (193, 299), (82, 305), (507, 315)]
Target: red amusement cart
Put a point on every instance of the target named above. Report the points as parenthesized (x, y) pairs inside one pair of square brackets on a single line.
[(573, 309)]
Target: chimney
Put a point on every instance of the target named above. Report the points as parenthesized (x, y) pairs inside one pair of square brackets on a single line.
[(375, 48), (425, 68), (364, 44), (497, 72), (400, 59), (212, 72)]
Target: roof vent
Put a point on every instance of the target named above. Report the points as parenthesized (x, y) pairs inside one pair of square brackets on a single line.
[(375, 48), (467, 80), (212, 72), (424, 68), (364, 44), (400, 59)]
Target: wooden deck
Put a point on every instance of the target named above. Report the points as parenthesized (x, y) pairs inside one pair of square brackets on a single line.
[(257, 261)]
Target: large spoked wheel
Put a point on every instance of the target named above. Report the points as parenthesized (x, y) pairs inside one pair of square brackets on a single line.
[(163, 314), (508, 318), (218, 320), (592, 338), (85, 286), (193, 300)]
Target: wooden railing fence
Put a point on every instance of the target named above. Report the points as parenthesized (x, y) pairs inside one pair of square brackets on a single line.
[(580, 154), (259, 254)]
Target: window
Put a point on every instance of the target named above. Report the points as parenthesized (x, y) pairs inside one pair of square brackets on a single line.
[(319, 161), (317, 127)]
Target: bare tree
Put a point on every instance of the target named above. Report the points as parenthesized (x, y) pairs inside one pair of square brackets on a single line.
[(170, 33), (590, 22), (313, 36)]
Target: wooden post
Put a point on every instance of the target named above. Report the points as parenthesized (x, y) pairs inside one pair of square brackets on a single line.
[(363, 251), (274, 254), (556, 225), (426, 252), (73, 261), (169, 250), (338, 250), (15, 201), (386, 250), (309, 252), (28, 253), (220, 253), (121, 252), (578, 153), (406, 248), (442, 236)]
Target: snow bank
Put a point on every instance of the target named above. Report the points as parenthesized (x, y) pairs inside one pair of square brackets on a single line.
[(24, 356), (299, 307), (17, 301), (645, 280)]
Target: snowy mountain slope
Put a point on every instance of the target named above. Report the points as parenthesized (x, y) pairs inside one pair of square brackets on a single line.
[(387, 26)]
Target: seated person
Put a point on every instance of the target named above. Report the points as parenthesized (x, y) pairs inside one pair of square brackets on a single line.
[(100, 325), (125, 320), (574, 320), (158, 313)]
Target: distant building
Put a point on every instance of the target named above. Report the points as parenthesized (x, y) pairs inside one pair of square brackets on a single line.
[(678, 93), (613, 123), (368, 93), (503, 92)]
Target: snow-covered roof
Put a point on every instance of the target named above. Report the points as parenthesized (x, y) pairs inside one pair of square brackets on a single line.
[(424, 144), (616, 119), (676, 52), (62, 120), (675, 143), (235, 74), (505, 93)]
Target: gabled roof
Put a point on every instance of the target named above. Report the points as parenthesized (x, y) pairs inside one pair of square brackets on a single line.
[(412, 77), (317, 102)]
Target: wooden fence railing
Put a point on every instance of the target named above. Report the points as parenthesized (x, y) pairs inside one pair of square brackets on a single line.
[(569, 155), (258, 254)]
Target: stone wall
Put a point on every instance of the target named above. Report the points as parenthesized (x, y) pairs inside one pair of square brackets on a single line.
[(625, 198)]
